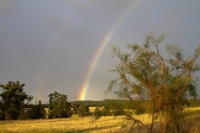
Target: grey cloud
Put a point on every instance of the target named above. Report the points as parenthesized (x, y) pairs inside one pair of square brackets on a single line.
[(65, 29), (100, 10), (7, 5)]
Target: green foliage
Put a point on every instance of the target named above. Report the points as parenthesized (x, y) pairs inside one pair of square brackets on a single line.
[(140, 111), (166, 82), (37, 112), (106, 111), (83, 111), (75, 107), (59, 107), (102, 111), (97, 112), (194, 102), (117, 112), (13, 99), (89, 103), (46, 105), (2, 111), (12, 114)]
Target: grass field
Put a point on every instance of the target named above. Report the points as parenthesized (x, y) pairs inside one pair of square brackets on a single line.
[(76, 124)]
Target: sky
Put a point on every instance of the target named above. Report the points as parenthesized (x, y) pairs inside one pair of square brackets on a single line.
[(64, 45)]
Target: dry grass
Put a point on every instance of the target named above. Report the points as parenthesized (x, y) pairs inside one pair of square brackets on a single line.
[(192, 119), (76, 124), (193, 124), (191, 111), (92, 109)]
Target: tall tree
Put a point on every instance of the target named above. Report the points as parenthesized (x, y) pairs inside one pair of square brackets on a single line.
[(59, 107), (166, 81), (13, 99)]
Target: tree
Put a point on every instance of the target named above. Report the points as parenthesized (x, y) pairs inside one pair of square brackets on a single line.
[(106, 111), (2, 111), (165, 81), (75, 107), (13, 99), (83, 110), (37, 112), (59, 106)]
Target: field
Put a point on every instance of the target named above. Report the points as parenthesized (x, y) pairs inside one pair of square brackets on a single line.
[(76, 124)]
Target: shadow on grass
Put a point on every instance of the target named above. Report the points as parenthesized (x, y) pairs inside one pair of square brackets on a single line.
[(90, 129), (36, 120)]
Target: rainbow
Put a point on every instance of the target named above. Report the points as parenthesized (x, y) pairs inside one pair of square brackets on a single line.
[(102, 46)]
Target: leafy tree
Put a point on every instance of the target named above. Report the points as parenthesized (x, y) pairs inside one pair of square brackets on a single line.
[(37, 112), (75, 107), (13, 99), (83, 111), (166, 82), (59, 106), (2, 111)]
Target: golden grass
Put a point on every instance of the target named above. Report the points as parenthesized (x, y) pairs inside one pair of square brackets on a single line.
[(92, 109), (73, 124), (191, 111), (76, 124)]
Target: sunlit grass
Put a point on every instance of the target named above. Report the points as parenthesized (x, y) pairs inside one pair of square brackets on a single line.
[(74, 124), (191, 111), (92, 109), (87, 124)]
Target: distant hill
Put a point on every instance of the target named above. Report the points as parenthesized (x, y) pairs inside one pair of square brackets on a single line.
[(89, 103)]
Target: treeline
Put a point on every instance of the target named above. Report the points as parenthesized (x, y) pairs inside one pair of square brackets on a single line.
[(90, 103), (15, 104), (31, 105)]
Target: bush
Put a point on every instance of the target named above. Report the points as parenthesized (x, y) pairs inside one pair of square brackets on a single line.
[(97, 112), (117, 112), (12, 114), (83, 111), (106, 111), (37, 112)]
